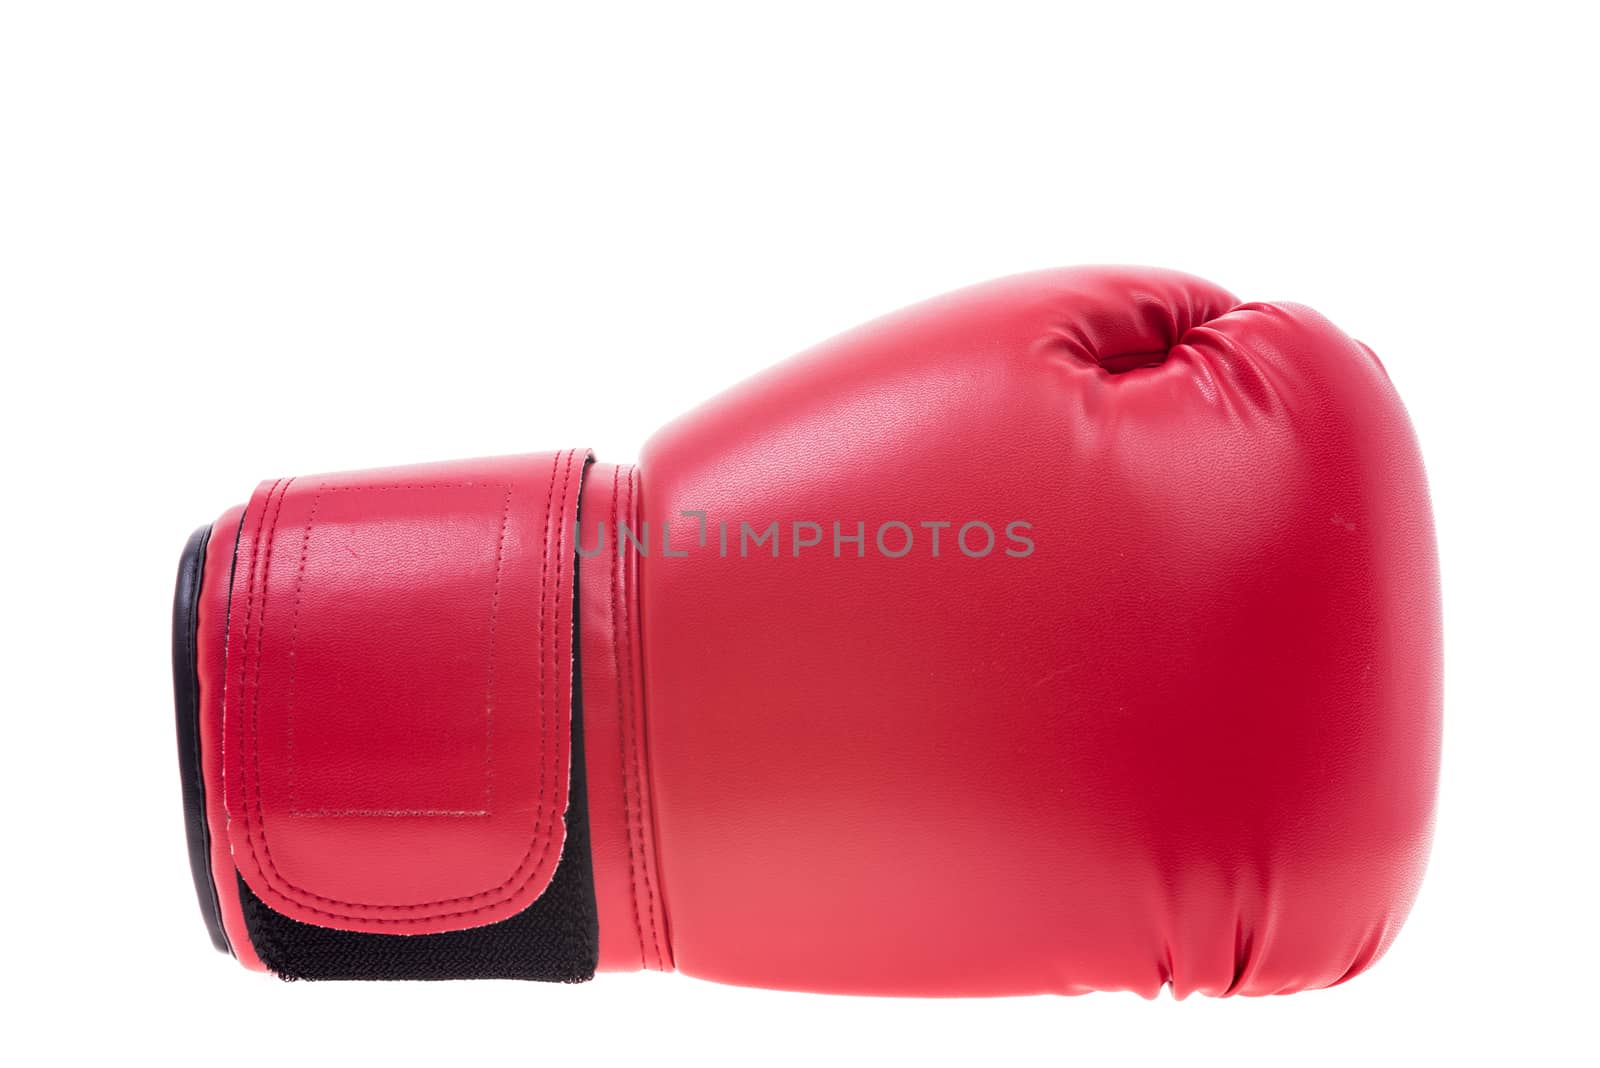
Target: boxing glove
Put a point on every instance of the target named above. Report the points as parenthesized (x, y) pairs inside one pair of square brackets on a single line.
[(1077, 631)]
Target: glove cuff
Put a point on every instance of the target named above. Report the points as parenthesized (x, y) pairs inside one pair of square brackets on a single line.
[(390, 751)]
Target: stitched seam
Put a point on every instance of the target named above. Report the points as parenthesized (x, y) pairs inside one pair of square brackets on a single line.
[(453, 813), (294, 663), (406, 486), (494, 618), (270, 870), (227, 679), (269, 526), (618, 636), (636, 729)]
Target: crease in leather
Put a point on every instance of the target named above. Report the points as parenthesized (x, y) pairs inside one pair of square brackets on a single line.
[(636, 773)]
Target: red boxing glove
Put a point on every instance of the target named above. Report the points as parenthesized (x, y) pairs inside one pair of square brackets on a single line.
[(1077, 631)]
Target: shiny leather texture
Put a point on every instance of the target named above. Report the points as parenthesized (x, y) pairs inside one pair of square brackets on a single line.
[(1191, 738), (397, 704), (1076, 631)]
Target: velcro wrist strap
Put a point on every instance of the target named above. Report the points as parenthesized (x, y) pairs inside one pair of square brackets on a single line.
[(398, 722)]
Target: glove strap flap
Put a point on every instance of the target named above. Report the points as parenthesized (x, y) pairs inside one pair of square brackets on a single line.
[(397, 710)]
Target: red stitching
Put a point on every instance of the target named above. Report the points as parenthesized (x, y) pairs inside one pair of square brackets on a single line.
[(494, 618), (636, 724), (618, 637), (270, 870), (468, 484), (270, 527), (294, 663), (227, 680)]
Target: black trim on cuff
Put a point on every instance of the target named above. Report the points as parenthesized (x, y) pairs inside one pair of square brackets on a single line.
[(186, 702)]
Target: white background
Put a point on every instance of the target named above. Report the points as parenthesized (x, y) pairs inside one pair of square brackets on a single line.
[(409, 232)]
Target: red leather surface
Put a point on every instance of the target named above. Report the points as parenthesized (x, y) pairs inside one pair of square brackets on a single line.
[(397, 705), (633, 931), (1191, 738), (211, 639)]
